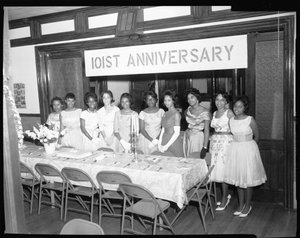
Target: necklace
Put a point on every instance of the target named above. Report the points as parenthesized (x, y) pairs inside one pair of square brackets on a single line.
[(91, 111)]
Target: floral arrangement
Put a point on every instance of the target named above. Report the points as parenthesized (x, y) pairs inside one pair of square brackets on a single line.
[(16, 116), (43, 134)]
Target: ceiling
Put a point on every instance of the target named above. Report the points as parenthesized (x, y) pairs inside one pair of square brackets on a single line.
[(25, 12)]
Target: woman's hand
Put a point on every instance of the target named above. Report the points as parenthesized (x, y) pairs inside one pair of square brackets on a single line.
[(203, 153)]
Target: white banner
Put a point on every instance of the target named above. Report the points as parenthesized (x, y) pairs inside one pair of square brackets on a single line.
[(194, 55)]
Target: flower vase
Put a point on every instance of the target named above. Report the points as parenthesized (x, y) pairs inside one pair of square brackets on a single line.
[(49, 148)]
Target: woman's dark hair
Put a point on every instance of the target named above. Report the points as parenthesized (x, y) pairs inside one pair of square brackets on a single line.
[(71, 96), (194, 92), (90, 95), (109, 93), (150, 93), (224, 95), (245, 100), (173, 94), (57, 99), (128, 96)]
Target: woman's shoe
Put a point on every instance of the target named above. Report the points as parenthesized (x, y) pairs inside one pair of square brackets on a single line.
[(239, 213), (223, 208), (244, 215), (219, 203)]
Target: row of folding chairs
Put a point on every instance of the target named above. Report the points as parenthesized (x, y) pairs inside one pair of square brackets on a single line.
[(136, 199)]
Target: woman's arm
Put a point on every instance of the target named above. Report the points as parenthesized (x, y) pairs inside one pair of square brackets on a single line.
[(254, 128), (60, 128), (206, 137), (84, 131)]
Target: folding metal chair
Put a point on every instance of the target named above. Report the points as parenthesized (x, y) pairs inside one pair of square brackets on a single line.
[(207, 158), (46, 187), (78, 175), (81, 227), (29, 183), (111, 177), (141, 202), (197, 194)]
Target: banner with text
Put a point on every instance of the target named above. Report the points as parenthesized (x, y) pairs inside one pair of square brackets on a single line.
[(193, 55)]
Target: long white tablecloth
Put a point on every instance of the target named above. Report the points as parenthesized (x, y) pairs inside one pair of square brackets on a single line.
[(167, 179)]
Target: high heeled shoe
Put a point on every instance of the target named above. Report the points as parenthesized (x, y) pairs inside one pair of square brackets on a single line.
[(237, 213), (223, 208), (245, 214)]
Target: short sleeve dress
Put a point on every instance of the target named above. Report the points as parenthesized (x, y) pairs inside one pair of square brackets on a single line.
[(53, 119), (193, 137), (219, 143), (92, 127), (168, 124), (122, 124), (243, 167), (152, 123), (71, 121), (106, 124)]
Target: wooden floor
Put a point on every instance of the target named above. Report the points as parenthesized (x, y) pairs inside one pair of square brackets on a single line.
[(265, 220)]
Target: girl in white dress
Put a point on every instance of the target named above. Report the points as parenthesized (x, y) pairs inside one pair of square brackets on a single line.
[(123, 122), (70, 124), (244, 167), (150, 124), (89, 124), (106, 116), (219, 143), (53, 122)]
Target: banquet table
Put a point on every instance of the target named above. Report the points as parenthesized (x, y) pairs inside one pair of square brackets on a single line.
[(166, 177)]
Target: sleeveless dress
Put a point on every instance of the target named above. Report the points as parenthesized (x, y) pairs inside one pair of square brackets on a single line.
[(244, 167), (219, 145), (91, 126), (122, 124), (193, 137), (53, 119), (152, 123), (71, 120), (106, 124), (168, 124)]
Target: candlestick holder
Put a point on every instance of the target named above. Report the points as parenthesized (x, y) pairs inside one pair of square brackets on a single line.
[(134, 140)]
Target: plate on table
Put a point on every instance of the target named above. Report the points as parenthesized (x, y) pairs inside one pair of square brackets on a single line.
[(153, 160)]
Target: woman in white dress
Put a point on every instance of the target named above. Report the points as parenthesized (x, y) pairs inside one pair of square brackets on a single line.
[(244, 168), (53, 122), (123, 124), (219, 143), (106, 116), (89, 123), (70, 124), (150, 124)]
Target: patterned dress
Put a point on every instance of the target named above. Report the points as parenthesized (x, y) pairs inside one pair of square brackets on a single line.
[(122, 124), (244, 167), (152, 123), (193, 137), (168, 124), (71, 120), (106, 124), (92, 127), (219, 143)]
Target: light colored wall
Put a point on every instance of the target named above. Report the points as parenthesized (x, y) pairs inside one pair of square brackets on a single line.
[(24, 71), (118, 87)]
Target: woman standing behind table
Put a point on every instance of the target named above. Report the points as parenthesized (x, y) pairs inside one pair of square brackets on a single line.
[(106, 116), (53, 122), (169, 139), (123, 122), (198, 119), (219, 143), (150, 124), (70, 124), (89, 123), (244, 167)]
